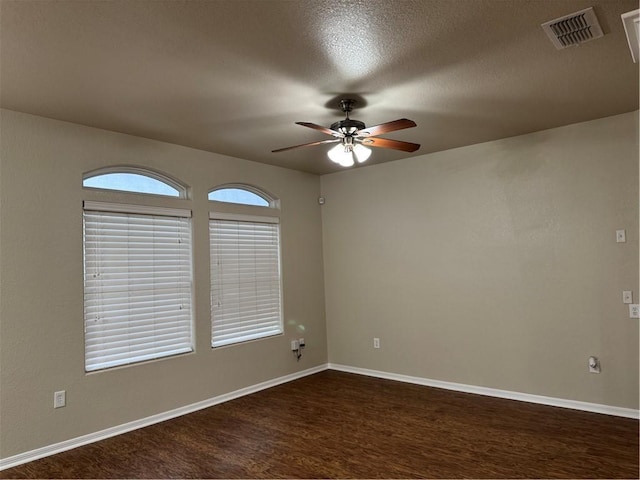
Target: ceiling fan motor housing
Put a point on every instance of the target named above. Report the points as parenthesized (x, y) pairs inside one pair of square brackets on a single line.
[(347, 126)]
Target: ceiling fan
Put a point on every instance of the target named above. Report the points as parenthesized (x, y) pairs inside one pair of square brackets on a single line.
[(353, 137)]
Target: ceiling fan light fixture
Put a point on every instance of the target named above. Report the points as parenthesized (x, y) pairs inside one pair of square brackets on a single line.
[(361, 153), (341, 154), (347, 162)]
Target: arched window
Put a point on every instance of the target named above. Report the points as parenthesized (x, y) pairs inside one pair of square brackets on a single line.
[(242, 195), (134, 180), (246, 284), (137, 271)]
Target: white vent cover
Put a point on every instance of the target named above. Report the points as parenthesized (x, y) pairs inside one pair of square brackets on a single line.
[(573, 29), (631, 21)]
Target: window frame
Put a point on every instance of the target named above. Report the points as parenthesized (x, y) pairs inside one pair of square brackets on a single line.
[(144, 204), (246, 213)]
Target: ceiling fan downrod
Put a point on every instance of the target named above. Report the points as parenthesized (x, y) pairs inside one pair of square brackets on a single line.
[(347, 126)]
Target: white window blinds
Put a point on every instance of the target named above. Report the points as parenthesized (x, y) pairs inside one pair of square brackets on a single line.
[(137, 283), (245, 278)]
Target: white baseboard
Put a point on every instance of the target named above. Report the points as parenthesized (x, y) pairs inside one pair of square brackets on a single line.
[(32, 455), (492, 392)]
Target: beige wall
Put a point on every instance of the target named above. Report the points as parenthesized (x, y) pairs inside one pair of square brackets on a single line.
[(492, 265), (41, 332)]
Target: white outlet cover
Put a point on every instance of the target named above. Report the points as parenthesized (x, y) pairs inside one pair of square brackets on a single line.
[(621, 236), (59, 399), (594, 365), (634, 310), (627, 296)]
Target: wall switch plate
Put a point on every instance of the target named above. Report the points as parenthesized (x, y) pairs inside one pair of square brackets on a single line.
[(634, 310), (294, 345), (59, 399), (627, 296), (594, 365), (376, 343), (301, 342), (621, 236)]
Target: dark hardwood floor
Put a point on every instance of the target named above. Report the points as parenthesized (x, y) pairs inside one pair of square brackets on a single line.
[(335, 424)]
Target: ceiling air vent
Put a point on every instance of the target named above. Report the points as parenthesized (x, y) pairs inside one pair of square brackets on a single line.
[(573, 29)]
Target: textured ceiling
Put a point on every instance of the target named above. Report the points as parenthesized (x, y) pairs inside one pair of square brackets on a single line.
[(233, 76)]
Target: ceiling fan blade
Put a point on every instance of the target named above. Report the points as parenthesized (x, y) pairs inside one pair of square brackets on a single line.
[(388, 143), (322, 129), (386, 128), (305, 145)]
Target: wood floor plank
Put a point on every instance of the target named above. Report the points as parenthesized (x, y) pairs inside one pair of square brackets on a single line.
[(340, 425)]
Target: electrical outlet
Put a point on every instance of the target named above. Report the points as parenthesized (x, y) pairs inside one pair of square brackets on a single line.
[(301, 342), (295, 345), (627, 296), (59, 399), (376, 343), (621, 236), (634, 310)]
